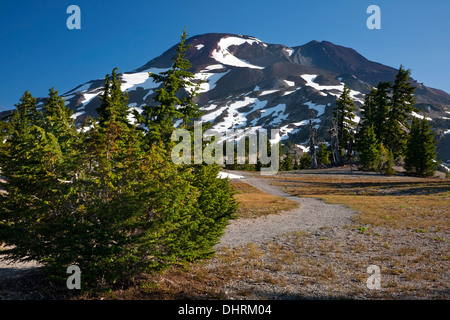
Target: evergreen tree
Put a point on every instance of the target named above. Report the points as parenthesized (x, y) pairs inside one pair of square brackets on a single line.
[(17, 164), (159, 119), (376, 110), (386, 161), (305, 161), (56, 120), (36, 168), (368, 147), (381, 112), (25, 115), (126, 209), (114, 105), (420, 152), (323, 155), (5, 131), (402, 105), (288, 162), (344, 115)]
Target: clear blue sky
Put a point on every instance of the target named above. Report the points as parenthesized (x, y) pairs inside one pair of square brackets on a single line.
[(38, 51)]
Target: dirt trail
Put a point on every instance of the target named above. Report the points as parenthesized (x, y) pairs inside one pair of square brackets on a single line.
[(310, 216)]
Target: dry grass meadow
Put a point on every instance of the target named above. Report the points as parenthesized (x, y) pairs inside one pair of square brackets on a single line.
[(254, 203)]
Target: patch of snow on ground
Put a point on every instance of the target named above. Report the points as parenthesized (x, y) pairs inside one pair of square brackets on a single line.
[(199, 46), (223, 175)]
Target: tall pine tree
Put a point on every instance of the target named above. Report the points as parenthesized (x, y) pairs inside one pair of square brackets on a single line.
[(376, 110), (402, 104), (344, 115), (420, 152), (323, 155), (114, 105), (171, 102), (368, 147)]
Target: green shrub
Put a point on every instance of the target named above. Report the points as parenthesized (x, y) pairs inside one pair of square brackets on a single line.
[(106, 199)]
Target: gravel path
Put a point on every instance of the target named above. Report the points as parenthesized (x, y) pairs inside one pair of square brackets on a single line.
[(310, 216)]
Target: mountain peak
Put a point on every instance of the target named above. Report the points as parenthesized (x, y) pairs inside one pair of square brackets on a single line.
[(250, 83)]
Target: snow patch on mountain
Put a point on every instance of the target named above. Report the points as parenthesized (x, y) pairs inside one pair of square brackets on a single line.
[(303, 148), (140, 79), (278, 112), (232, 117), (237, 119), (290, 51), (414, 114), (290, 83), (131, 118), (222, 55), (210, 79), (213, 67), (318, 107), (84, 87), (309, 78), (267, 92), (87, 97), (286, 130), (76, 115), (290, 91)]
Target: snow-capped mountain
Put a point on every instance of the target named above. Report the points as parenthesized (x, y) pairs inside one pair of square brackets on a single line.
[(249, 83)]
